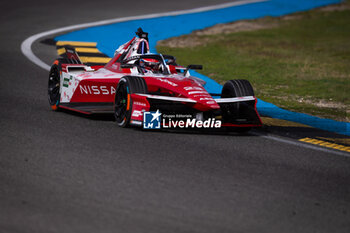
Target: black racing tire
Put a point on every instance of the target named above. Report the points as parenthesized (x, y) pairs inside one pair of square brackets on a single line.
[(53, 92), (123, 103), (235, 88)]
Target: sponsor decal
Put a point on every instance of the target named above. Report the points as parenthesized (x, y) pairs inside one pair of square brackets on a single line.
[(190, 88), (134, 122), (197, 92), (191, 123), (151, 120), (167, 81), (139, 103), (156, 120), (206, 98), (67, 81), (136, 113), (96, 90), (203, 95)]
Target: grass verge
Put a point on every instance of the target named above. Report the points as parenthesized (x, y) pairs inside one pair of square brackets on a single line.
[(299, 62)]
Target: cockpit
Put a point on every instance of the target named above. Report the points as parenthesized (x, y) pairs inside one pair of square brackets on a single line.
[(147, 64)]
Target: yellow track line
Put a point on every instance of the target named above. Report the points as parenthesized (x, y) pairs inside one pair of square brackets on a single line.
[(326, 144), (87, 50), (345, 141), (76, 43), (95, 59)]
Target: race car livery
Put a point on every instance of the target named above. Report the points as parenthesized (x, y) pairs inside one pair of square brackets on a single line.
[(136, 81)]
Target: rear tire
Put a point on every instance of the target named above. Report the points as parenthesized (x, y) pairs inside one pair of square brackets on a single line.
[(123, 103), (235, 88), (54, 94)]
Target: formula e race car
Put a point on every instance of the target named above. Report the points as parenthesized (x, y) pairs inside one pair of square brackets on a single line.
[(136, 81)]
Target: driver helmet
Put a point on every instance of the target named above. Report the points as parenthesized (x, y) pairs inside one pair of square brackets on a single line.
[(149, 64)]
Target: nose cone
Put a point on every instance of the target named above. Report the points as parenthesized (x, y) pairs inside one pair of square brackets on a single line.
[(185, 87), (204, 100)]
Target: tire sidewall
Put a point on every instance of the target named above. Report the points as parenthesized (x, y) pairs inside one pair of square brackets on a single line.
[(126, 120), (54, 106), (235, 88)]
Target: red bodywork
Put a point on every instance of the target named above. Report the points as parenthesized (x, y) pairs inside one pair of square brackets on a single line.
[(93, 91)]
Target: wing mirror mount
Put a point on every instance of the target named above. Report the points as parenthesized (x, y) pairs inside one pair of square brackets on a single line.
[(193, 67), (127, 66)]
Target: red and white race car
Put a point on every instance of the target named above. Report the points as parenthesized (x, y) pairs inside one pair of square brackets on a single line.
[(136, 81)]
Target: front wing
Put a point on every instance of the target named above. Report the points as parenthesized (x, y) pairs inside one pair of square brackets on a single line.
[(242, 110), (233, 112)]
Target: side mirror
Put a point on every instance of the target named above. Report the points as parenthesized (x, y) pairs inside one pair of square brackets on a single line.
[(126, 66), (195, 67)]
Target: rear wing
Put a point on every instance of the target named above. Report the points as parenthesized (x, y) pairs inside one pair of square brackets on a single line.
[(71, 55)]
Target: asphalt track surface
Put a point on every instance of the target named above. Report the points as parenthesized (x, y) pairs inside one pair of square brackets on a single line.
[(63, 172)]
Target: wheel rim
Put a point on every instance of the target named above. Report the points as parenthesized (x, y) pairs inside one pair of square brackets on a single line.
[(120, 107), (54, 87)]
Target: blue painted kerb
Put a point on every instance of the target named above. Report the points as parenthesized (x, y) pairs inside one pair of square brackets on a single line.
[(109, 37)]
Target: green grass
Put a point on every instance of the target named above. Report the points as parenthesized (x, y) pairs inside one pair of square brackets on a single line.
[(298, 63)]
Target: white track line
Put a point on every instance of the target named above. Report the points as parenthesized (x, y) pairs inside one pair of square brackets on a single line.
[(26, 45), (26, 48), (302, 144)]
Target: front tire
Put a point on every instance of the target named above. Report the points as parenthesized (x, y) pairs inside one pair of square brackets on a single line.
[(123, 103), (235, 88)]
